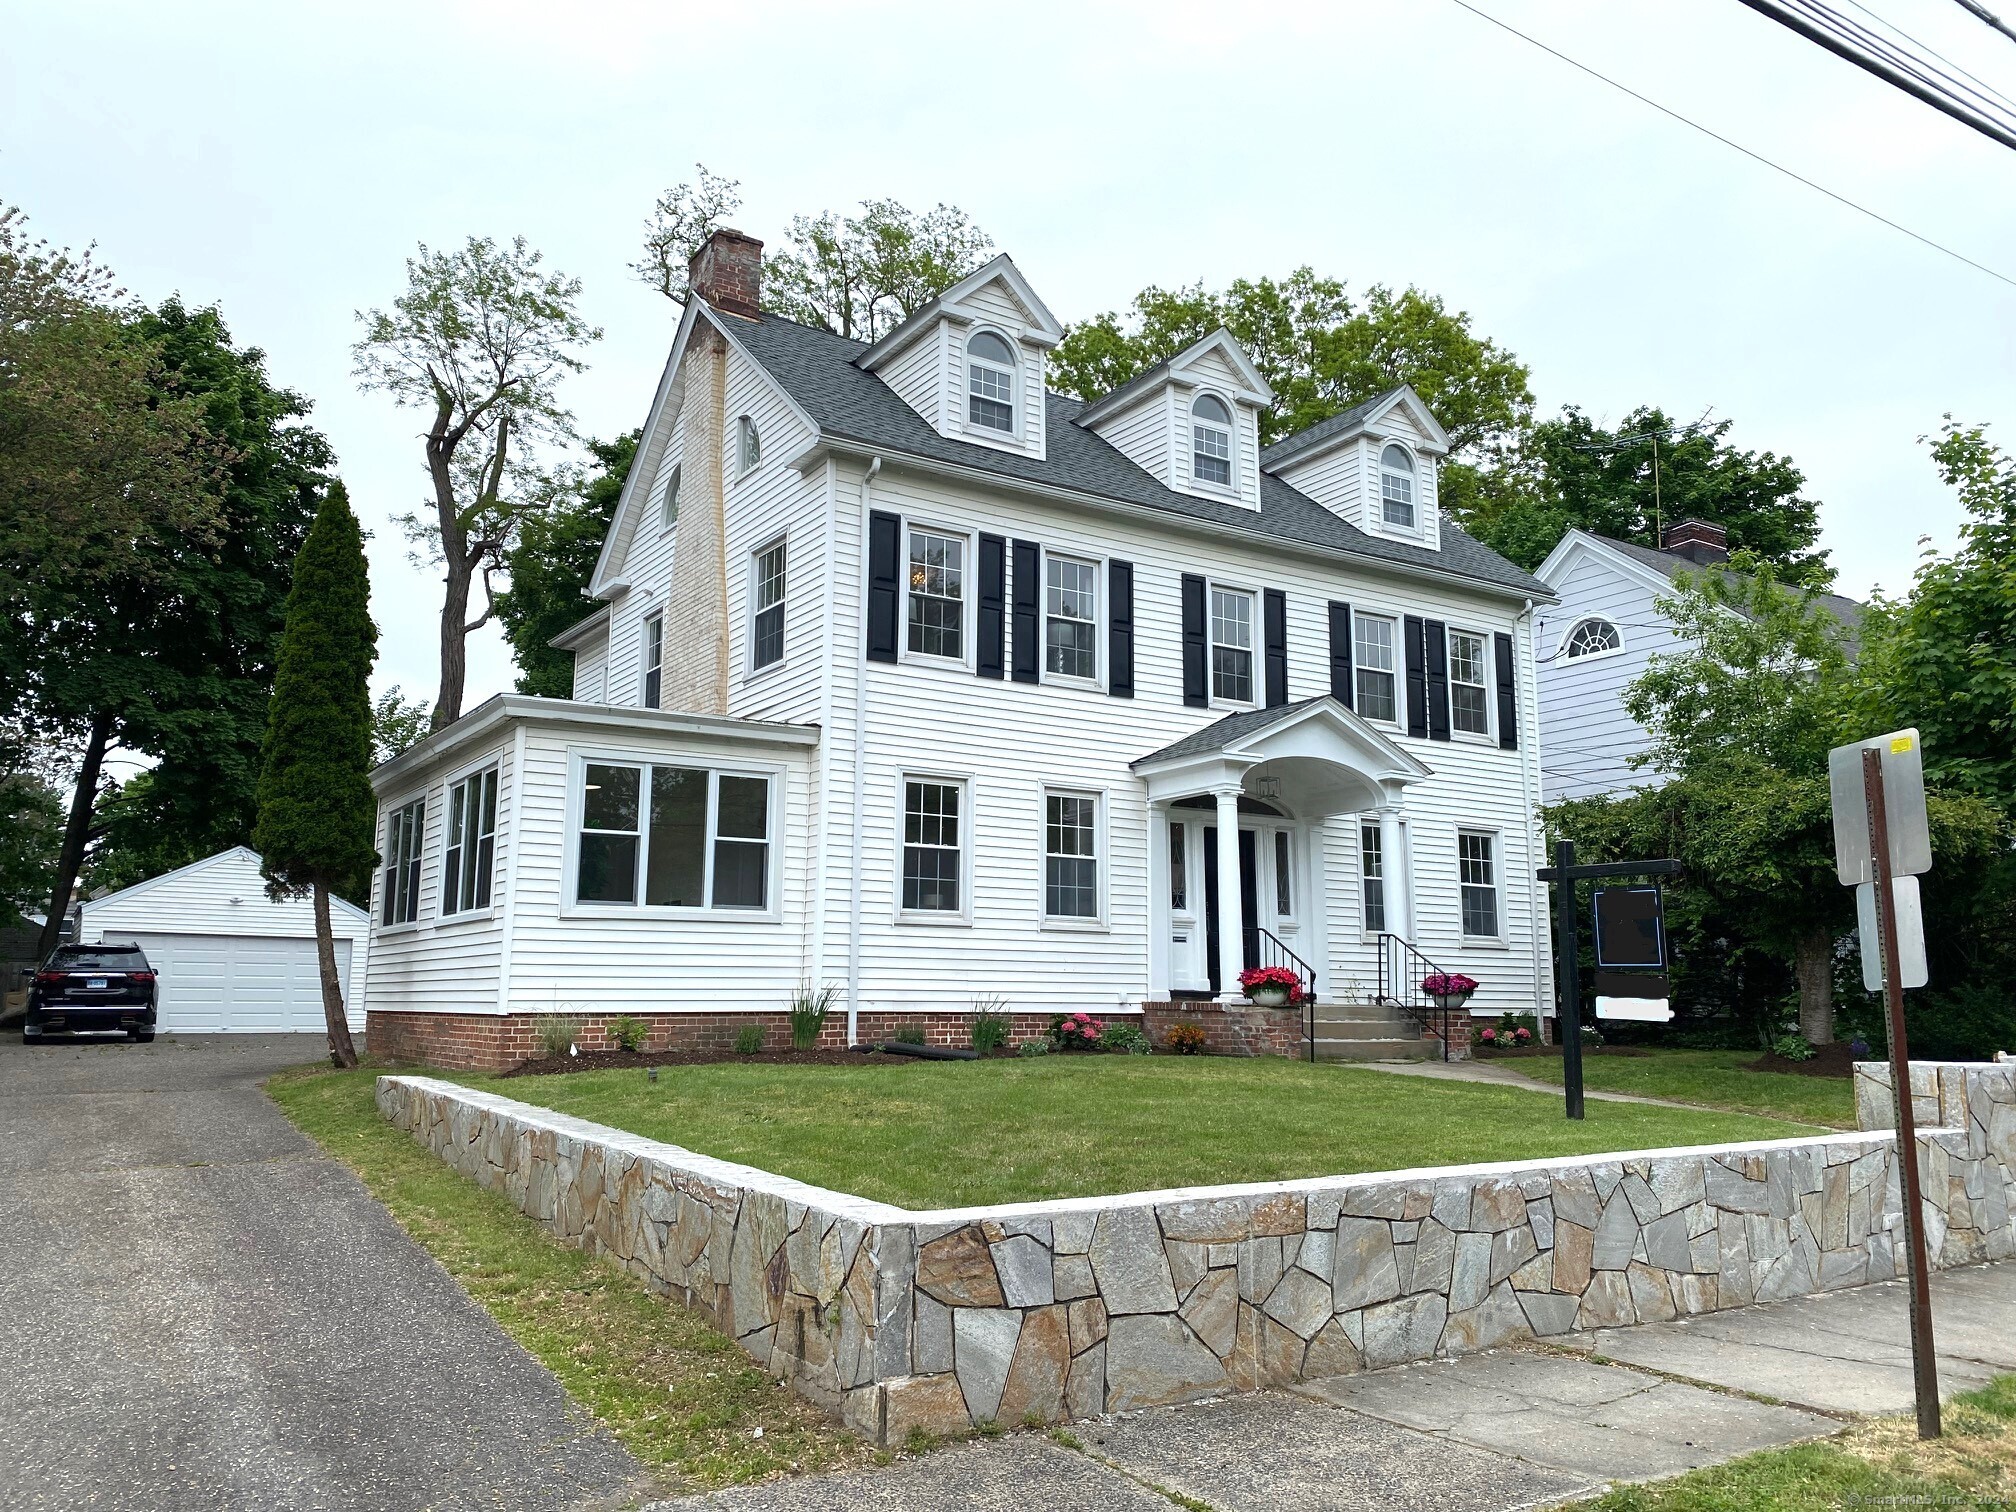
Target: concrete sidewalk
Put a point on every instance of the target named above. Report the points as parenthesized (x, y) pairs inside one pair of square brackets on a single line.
[(1482, 1433)]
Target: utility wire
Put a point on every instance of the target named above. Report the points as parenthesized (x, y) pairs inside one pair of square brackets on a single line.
[(1986, 101), (1932, 52), (1759, 157), (1982, 13)]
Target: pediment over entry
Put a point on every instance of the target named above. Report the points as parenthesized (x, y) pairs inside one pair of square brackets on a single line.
[(1324, 757)]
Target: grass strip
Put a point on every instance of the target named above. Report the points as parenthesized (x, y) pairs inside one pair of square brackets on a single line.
[(675, 1391), (1712, 1078)]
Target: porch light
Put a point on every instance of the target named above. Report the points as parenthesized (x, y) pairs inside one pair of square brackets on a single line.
[(1266, 787)]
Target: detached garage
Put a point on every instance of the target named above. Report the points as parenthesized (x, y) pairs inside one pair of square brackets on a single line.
[(230, 959)]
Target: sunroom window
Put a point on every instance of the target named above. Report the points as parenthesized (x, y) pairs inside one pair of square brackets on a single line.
[(672, 837)]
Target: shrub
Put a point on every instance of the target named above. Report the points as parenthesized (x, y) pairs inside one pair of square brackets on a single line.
[(1186, 1039), (627, 1032), (749, 1040), (1793, 1047), (1591, 1035), (1030, 1049), (990, 1024), (557, 1032), (909, 1034), (1124, 1039), (808, 1015), (1075, 1031)]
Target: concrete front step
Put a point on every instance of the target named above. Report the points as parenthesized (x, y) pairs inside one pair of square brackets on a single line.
[(1363, 1028), (1372, 1049)]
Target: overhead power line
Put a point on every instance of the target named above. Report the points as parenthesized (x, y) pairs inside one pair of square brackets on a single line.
[(1927, 66), (1982, 13), (1932, 52), (1758, 157)]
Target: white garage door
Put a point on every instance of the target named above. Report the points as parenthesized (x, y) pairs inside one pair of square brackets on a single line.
[(239, 984)]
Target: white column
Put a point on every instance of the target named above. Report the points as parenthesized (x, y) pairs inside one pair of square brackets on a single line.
[(1158, 902), (1393, 870), (1231, 909)]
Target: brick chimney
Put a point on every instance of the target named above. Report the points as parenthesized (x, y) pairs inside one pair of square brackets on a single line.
[(1697, 540), (727, 272)]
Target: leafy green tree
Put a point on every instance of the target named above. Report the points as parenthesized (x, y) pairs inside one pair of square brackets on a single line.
[(317, 814), (551, 563), (480, 340), (684, 217), (31, 834), (397, 724), (1649, 471)]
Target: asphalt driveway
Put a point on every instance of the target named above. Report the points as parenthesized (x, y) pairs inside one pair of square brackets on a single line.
[(204, 1311)]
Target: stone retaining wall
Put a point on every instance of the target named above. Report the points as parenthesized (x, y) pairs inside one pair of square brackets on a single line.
[(1057, 1310)]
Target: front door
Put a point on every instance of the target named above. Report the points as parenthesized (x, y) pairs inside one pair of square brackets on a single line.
[(1249, 901)]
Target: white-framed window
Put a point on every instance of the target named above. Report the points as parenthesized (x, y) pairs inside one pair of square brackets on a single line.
[(405, 830), (470, 853), (934, 852), (1070, 856), (1211, 440), (672, 837), (1372, 876), (990, 382), (1231, 645), (1375, 666), (1469, 683), (766, 605), (1284, 890), (937, 615), (1477, 876), (668, 504), (1070, 617), (748, 446), (1591, 636), (654, 659), (1396, 487)]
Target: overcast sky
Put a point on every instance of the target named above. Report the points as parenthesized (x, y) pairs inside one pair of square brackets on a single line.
[(282, 160)]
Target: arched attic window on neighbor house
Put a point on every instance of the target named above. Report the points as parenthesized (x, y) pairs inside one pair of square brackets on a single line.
[(668, 507), (1211, 440), (1396, 487), (748, 445), (1593, 636), (990, 382)]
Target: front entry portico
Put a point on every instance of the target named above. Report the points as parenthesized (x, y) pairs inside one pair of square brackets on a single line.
[(1273, 778)]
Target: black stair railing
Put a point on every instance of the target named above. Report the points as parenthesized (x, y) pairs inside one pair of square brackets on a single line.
[(1402, 969), (1270, 950)]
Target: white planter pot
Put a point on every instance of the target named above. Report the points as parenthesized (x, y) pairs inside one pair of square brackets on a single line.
[(1451, 999), (1268, 997)]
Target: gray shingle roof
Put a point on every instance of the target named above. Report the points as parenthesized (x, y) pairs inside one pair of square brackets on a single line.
[(1676, 564), (817, 369), (1227, 731), (1309, 435)]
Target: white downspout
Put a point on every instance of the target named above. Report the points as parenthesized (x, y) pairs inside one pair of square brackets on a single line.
[(860, 764), (1536, 909)]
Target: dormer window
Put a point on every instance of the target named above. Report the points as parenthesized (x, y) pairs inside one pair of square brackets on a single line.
[(1396, 488), (1211, 440), (990, 382)]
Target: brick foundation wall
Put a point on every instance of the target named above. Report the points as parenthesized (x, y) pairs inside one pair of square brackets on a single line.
[(495, 1042), (1229, 1028)]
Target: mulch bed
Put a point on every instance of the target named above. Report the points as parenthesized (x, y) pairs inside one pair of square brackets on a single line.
[(1531, 1051), (622, 1060), (1828, 1060)]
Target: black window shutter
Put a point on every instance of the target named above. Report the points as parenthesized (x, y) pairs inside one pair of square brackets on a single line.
[(1340, 653), (1508, 702), (1417, 677), (1196, 682), (1274, 626), (991, 639), (1028, 625), (1438, 680), (1120, 629), (885, 584)]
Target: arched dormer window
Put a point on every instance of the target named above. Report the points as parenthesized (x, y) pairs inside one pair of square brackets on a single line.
[(668, 507), (1594, 636), (990, 382), (1211, 440), (748, 445), (1396, 488)]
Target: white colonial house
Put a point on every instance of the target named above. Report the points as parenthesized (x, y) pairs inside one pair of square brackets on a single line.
[(913, 678), (1602, 635)]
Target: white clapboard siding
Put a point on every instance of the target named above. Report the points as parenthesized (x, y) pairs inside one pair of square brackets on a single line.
[(1145, 433), (1589, 734)]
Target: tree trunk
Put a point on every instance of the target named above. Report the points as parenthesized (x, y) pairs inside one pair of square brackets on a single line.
[(1813, 964), (341, 1051), (76, 832)]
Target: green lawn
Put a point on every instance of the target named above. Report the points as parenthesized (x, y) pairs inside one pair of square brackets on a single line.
[(950, 1134), (1715, 1078), (677, 1393)]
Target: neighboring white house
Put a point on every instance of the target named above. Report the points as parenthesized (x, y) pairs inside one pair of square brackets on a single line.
[(1601, 636), (229, 958), (914, 678)]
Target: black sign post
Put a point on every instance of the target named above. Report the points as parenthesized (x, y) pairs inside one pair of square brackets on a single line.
[(1564, 874)]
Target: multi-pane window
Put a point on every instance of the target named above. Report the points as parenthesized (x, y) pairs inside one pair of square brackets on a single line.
[(404, 829), (1071, 614), (1477, 872), (1396, 487), (1372, 641), (1372, 876), (668, 507), (766, 607), (931, 850), (1231, 645), (1469, 695), (1070, 856), (678, 837), (1284, 895), (1211, 440), (990, 382), (748, 444), (937, 594), (1179, 871), (1592, 637), (654, 659), (471, 843)]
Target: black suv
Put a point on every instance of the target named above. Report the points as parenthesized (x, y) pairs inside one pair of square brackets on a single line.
[(94, 987)]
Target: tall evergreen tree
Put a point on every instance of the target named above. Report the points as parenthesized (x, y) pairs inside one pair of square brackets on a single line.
[(316, 810)]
